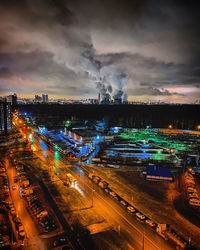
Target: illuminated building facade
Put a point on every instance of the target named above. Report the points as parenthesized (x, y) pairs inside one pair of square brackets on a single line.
[(5, 118)]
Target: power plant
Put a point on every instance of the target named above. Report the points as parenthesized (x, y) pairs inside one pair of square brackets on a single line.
[(107, 99)]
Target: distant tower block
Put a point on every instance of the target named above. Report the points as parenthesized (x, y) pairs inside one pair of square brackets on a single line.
[(99, 97)]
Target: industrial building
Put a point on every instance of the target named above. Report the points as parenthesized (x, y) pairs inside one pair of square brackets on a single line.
[(155, 173)]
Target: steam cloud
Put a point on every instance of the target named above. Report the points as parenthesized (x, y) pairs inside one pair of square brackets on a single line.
[(106, 78)]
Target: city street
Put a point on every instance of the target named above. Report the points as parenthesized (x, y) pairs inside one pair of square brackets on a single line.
[(105, 206)]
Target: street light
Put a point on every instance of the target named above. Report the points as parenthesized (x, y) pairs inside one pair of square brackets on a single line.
[(170, 126)]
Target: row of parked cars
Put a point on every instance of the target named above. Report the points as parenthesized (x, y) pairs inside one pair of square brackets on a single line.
[(45, 220), (5, 187), (192, 193), (132, 210), (138, 214), (19, 227)]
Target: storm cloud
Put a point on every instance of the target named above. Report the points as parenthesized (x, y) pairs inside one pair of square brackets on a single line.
[(155, 44)]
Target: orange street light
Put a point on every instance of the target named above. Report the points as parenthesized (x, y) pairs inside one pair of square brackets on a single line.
[(170, 126), (198, 127)]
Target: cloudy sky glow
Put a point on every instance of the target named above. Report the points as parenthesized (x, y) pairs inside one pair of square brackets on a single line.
[(153, 45)]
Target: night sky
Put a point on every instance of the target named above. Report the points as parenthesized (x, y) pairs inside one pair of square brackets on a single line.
[(148, 50)]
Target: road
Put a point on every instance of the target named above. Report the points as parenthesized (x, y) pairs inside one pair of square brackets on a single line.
[(110, 209), (32, 240)]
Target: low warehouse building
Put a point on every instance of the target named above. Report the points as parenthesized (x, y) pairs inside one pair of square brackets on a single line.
[(156, 173)]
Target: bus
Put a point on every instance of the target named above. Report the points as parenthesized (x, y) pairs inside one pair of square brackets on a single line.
[(71, 179)]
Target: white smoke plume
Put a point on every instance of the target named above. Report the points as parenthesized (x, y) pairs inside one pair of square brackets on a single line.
[(106, 78)]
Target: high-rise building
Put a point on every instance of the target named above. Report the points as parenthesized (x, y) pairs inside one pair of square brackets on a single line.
[(5, 118), (12, 99), (44, 98), (38, 98)]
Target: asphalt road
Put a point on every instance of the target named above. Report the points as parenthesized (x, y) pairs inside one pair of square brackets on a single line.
[(32, 240), (136, 232)]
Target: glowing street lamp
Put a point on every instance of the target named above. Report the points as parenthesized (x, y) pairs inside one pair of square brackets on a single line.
[(198, 127), (170, 126)]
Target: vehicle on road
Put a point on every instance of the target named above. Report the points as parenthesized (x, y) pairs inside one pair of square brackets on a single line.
[(106, 190), (12, 211), (21, 232), (131, 209), (140, 216), (96, 179), (124, 203), (71, 179), (150, 223), (103, 184), (17, 222), (14, 187)]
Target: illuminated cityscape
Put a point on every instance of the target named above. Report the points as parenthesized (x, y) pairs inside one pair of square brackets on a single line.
[(99, 125)]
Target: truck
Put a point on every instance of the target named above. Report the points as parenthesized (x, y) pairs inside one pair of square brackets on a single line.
[(167, 233)]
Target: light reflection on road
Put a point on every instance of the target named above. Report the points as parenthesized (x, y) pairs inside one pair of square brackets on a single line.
[(76, 186)]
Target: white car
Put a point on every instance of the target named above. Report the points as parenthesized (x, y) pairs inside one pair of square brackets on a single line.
[(140, 216), (150, 223), (124, 203), (106, 190), (131, 209), (113, 194)]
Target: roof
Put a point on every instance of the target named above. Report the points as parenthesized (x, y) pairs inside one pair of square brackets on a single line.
[(158, 171)]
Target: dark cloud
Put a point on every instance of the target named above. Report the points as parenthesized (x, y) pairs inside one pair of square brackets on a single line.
[(156, 44), (5, 72)]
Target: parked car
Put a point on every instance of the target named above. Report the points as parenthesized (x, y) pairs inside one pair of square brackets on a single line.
[(21, 232), (18, 222), (12, 211), (131, 209), (113, 194), (42, 214), (124, 203), (140, 216), (150, 223), (106, 190)]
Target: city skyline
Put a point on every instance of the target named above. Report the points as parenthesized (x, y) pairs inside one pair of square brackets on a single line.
[(147, 50)]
